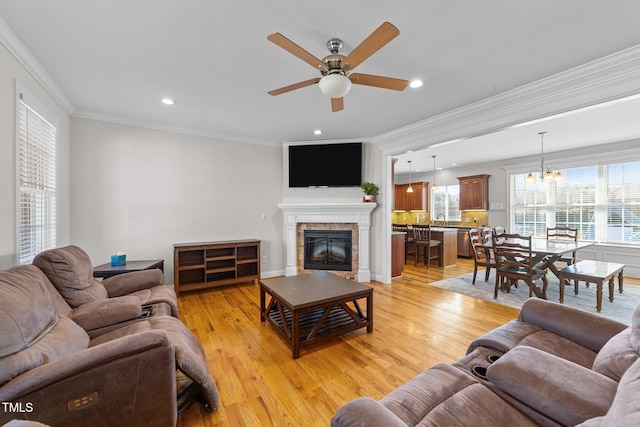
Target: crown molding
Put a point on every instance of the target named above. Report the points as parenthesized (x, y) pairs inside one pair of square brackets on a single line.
[(606, 79), (15, 47)]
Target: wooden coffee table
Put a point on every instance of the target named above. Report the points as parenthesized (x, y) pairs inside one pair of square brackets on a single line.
[(596, 272), (311, 308)]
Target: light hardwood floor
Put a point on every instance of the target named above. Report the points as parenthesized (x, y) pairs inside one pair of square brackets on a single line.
[(415, 327)]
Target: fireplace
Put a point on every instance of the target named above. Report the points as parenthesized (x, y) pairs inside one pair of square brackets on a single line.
[(355, 217), (327, 250)]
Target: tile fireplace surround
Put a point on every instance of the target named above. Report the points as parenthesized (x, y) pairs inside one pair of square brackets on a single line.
[(329, 213)]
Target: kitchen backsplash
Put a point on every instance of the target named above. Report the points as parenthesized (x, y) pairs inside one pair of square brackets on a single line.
[(408, 217), (469, 218)]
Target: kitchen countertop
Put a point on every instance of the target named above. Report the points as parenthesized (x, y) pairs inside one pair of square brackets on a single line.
[(463, 227), (443, 229)]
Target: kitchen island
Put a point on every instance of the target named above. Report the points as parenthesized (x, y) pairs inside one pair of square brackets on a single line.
[(449, 239), (448, 236)]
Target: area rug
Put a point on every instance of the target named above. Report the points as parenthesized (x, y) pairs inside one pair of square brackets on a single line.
[(621, 309)]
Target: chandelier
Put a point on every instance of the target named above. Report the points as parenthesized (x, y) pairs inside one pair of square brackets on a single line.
[(409, 189), (546, 174)]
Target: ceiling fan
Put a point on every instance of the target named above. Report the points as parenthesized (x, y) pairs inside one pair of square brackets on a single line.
[(336, 68)]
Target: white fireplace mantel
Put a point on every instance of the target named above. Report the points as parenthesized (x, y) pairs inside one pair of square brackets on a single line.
[(357, 213)]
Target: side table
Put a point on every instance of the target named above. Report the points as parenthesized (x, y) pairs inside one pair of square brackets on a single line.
[(107, 270)]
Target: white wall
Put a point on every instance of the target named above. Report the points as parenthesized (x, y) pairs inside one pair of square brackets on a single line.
[(141, 190), (10, 72)]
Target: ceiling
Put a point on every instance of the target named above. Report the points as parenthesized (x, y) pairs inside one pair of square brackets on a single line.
[(115, 60), (606, 123)]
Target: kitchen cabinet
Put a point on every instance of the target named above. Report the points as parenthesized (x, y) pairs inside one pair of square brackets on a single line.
[(416, 201), (474, 192), (400, 197)]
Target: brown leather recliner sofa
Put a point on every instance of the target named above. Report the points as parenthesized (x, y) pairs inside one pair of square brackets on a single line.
[(553, 366), (130, 371)]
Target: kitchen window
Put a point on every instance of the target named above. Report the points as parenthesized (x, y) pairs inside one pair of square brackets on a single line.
[(446, 203), (36, 141), (601, 201)]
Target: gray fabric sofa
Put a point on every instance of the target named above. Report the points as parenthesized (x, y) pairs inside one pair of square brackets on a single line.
[(553, 366), (139, 372)]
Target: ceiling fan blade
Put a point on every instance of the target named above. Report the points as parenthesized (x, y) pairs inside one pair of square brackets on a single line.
[(378, 81), (376, 40), (296, 50), (337, 104), (293, 87)]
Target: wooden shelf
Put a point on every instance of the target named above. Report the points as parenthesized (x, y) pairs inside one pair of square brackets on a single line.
[(209, 264)]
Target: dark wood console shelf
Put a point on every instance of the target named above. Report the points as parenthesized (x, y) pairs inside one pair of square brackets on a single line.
[(208, 264)]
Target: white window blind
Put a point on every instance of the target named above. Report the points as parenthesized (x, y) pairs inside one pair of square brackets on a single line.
[(623, 197), (37, 210)]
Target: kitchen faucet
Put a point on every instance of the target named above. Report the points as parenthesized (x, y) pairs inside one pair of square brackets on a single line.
[(441, 216)]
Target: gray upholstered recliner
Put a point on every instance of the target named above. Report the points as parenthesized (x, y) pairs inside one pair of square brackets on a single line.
[(51, 371), (70, 270)]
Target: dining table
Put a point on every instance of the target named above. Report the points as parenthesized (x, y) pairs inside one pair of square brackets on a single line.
[(547, 251)]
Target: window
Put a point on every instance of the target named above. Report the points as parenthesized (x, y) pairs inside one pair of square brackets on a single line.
[(602, 202), (36, 140), (446, 203)]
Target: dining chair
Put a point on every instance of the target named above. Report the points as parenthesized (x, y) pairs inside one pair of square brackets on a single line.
[(515, 261), (564, 233), (408, 238), (481, 254), (486, 233), (499, 230), (422, 240)]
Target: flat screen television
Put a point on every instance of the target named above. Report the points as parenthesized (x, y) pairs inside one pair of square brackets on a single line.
[(325, 165)]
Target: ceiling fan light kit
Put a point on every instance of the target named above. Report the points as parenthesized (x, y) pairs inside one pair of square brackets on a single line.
[(335, 68), (334, 85)]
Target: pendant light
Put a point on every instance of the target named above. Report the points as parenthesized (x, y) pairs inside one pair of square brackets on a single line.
[(410, 189), (433, 186), (546, 175)]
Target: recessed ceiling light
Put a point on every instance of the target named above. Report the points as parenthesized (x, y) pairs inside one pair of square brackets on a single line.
[(415, 83), (168, 101), (317, 132)]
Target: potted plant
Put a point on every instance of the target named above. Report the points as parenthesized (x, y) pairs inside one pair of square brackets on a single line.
[(370, 191)]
